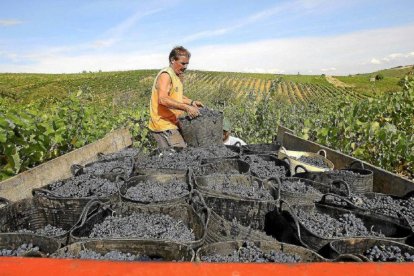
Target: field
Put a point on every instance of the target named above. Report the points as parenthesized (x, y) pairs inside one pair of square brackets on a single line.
[(46, 115)]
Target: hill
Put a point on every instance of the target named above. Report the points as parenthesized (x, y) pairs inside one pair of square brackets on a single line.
[(105, 86)]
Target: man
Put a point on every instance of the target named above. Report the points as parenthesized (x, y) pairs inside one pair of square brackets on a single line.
[(227, 138), (168, 102)]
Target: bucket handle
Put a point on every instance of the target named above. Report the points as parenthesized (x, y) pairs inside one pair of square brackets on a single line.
[(190, 177), (338, 184), (247, 157), (279, 184), (347, 201), (87, 211), (40, 191), (300, 167), (347, 257), (121, 170), (354, 163), (283, 149), (5, 201), (322, 152), (203, 203), (76, 169), (294, 217)]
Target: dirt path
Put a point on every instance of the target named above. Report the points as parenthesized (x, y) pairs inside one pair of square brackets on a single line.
[(337, 83)]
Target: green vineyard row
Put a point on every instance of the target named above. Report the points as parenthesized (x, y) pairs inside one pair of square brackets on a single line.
[(44, 116)]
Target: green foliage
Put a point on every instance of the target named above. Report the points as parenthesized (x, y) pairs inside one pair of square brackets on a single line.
[(30, 135), (379, 77), (378, 131), (44, 116)]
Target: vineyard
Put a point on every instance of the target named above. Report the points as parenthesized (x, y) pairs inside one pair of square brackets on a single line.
[(44, 116)]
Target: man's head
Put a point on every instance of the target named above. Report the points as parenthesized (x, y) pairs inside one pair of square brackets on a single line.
[(179, 58)]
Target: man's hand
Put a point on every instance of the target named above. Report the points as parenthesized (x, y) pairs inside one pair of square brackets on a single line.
[(197, 104), (192, 111)]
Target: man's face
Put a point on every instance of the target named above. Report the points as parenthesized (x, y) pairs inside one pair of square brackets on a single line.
[(180, 65)]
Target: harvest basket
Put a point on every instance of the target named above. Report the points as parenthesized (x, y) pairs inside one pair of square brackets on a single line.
[(383, 212), (297, 198), (202, 130), (227, 248), (268, 158), (358, 246), (46, 245), (160, 178), (220, 230), (38, 212), (360, 180), (184, 213), (167, 251), (307, 237), (111, 172), (48, 193), (248, 212), (291, 157)]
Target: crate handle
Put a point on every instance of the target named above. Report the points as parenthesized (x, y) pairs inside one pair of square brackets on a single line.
[(347, 201), (338, 184), (322, 152), (294, 217), (76, 169), (279, 184), (300, 167), (356, 162), (5, 201), (348, 257), (87, 211)]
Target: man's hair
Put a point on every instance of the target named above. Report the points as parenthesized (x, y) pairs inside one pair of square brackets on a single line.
[(177, 52)]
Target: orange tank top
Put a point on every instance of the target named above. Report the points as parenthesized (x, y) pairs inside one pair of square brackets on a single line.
[(161, 117)]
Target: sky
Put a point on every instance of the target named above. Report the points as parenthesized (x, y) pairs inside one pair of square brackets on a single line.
[(299, 36)]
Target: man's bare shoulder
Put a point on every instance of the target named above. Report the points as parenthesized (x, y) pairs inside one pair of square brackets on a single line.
[(164, 80)]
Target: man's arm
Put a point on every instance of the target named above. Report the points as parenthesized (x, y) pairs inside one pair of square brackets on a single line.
[(192, 102), (164, 84)]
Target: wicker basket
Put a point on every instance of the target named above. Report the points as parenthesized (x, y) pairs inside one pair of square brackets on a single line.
[(344, 202), (313, 241), (227, 248), (220, 230), (202, 130), (181, 212), (248, 212), (268, 158), (160, 178), (110, 174), (358, 246), (298, 198), (38, 212), (46, 245), (360, 182), (167, 251)]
